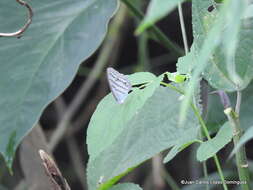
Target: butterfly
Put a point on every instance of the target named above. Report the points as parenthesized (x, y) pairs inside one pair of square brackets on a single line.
[(119, 85)]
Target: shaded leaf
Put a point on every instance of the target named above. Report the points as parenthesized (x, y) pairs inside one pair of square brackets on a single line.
[(110, 118), (216, 116), (209, 148), (186, 64), (208, 29), (40, 65), (178, 148), (209, 43), (157, 9), (230, 65)]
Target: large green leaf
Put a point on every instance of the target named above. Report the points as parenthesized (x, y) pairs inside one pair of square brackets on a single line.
[(209, 148), (110, 118), (157, 9), (152, 129), (179, 147), (36, 68), (126, 186), (208, 30), (231, 64)]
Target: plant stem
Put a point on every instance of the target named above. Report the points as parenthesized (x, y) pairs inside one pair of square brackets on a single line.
[(143, 56), (205, 174), (204, 103), (161, 37), (241, 159), (204, 163), (238, 102), (143, 50), (203, 125), (169, 179), (181, 18), (216, 160)]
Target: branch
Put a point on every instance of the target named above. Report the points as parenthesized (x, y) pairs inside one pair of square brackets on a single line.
[(160, 36), (30, 161), (23, 29), (241, 158), (56, 178), (74, 153)]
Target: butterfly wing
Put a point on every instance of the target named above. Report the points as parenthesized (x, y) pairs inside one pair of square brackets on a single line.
[(119, 85)]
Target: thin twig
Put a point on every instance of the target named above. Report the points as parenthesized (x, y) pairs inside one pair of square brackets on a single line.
[(241, 158), (238, 102), (181, 18), (157, 172), (204, 103), (54, 174), (160, 36), (23, 29), (76, 160), (30, 161), (215, 157), (85, 113), (72, 146), (223, 98), (169, 179)]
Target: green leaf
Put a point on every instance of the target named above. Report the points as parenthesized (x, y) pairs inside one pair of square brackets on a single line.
[(246, 107), (207, 37), (248, 135), (39, 66), (126, 186), (185, 64), (215, 113), (110, 118), (152, 129), (230, 66), (141, 77), (216, 116), (202, 55), (209, 148), (178, 148), (157, 9), (249, 12)]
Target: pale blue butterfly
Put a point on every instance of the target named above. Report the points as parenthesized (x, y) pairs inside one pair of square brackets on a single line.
[(119, 85)]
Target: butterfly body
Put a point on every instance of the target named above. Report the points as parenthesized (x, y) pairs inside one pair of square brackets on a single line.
[(119, 85)]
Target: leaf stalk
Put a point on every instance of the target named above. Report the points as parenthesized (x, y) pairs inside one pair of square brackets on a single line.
[(160, 36), (241, 159)]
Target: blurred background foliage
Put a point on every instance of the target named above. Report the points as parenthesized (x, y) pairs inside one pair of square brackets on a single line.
[(128, 53)]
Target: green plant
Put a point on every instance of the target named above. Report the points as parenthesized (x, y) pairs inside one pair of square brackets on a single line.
[(157, 114)]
